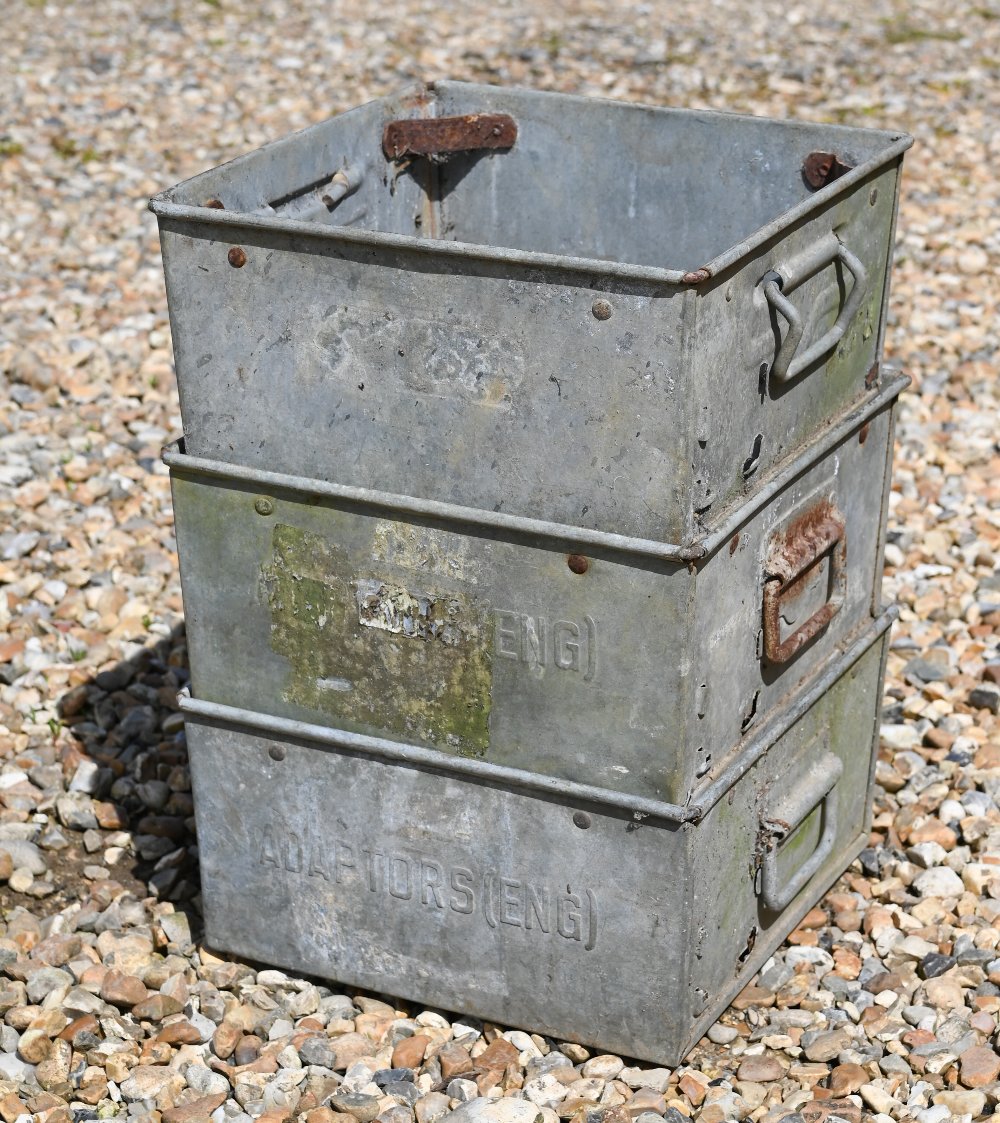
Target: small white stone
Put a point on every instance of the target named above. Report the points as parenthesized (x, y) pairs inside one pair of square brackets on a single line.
[(939, 882)]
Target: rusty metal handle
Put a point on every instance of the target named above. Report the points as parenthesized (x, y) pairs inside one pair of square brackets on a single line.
[(787, 364), (784, 819), (791, 556), (440, 137)]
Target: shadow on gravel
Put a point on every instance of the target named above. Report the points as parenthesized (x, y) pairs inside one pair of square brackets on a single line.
[(124, 761)]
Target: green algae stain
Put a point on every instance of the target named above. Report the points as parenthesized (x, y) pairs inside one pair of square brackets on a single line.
[(374, 651)]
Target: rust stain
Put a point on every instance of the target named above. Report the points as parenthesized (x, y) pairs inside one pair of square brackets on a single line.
[(871, 378), (441, 136), (793, 554), (822, 168), (696, 276)]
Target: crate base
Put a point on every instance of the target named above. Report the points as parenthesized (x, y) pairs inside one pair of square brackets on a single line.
[(574, 918)]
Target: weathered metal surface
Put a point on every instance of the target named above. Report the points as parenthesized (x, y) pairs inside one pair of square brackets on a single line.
[(619, 358), (456, 884), (444, 136), (634, 666)]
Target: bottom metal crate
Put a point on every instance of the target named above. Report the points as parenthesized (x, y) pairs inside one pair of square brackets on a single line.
[(593, 917)]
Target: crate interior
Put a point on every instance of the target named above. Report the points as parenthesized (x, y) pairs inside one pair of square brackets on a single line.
[(586, 178)]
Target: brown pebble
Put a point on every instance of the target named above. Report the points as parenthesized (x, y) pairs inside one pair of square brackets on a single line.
[(846, 1079), (74, 1032), (978, 1066), (181, 1032), (122, 990), (156, 1007), (225, 1040), (454, 1060), (6, 865), (760, 1070), (693, 1089), (409, 1052), (247, 1049), (497, 1055), (196, 1111)]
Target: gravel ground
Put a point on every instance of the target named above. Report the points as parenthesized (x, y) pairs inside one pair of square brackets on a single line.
[(882, 1004)]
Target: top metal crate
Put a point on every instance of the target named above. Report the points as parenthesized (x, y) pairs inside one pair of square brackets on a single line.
[(554, 308)]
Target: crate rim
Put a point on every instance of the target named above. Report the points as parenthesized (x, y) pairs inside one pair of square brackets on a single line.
[(163, 206)]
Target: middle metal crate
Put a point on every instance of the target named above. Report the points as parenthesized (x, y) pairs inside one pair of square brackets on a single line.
[(626, 664)]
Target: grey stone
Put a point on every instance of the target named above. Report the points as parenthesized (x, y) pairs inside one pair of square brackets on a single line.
[(363, 1108), (318, 1050), (44, 981), (205, 1081), (24, 855), (936, 964), (986, 697), (76, 811)]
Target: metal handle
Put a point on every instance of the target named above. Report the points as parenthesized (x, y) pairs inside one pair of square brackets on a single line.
[(787, 365), (816, 788), (817, 531)]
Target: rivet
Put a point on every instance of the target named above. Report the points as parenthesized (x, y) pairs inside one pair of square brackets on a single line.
[(578, 563), (601, 310), (873, 197), (237, 257), (276, 752), (582, 820), (263, 506)]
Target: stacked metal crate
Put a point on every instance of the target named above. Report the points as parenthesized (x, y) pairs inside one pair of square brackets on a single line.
[(532, 585)]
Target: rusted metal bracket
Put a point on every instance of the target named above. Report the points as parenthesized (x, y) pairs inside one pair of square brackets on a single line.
[(439, 137), (818, 531), (821, 168)]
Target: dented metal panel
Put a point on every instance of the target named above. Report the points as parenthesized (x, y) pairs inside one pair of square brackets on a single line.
[(634, 666), (456, 884), (595, 305)]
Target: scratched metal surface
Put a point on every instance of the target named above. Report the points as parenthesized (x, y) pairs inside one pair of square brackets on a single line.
[(431, 331), (579, 920), (634, 673)]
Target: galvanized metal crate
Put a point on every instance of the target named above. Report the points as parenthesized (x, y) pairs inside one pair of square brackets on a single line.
[(591, 916), (601, 315), (629, 665)]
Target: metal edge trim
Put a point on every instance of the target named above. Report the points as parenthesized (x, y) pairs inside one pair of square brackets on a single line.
[(175, 459), (742, 758), (693, 551), (382, 748), (801, 210), (598, 269), (831, 437)]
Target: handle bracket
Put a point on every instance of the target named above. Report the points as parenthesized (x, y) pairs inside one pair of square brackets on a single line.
[(788, 364), (817, 787)]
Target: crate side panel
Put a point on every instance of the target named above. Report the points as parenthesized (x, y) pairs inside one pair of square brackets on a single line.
[(733, 921), (477, 383), (751, 421), (467, 643), (741, 688), (442, 890), (630, 183)]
